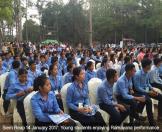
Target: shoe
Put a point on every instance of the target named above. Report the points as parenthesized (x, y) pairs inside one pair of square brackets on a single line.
[(141, 118), (153, 123), (159, 118)]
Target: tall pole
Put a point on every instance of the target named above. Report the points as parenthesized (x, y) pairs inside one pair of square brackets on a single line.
[(26, 26), (90, 22)]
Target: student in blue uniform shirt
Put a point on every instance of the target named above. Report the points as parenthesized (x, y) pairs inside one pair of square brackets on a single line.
[(127, 60), (101, 72), (42, 65), (125, 94), (24, 63), (2, 68), (56, 83), (78, 102), (62, 62), (33, 72), (68, 76), (44, 103), (7, 63), (10, 80), (143, 87), (108, 103), (82, 63), (74, 58), (97, 58), (90, 73), (160, 69), (18, 91), (155, 79), (48, 59), (54, 61)]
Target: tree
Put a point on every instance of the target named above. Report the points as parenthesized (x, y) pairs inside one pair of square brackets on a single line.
[(65, 22), (33, 31), (6, 13)]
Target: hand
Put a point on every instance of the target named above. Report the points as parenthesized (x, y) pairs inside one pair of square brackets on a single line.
[(88, 110), (61, 112), (153, 93), (29, 90), (58, 95), (131, 91), (121, 107), (140, 99), (84, 110), (22, 93), (117, 109)]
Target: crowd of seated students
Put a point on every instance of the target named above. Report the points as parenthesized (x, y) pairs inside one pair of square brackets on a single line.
[(120, 94)]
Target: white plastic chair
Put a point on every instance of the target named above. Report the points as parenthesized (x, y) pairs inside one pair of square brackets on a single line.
[(159, 91), (63, 97), (117, 67), (28, 109), (78, 60), (46, 73), (98, 65), (93, 88), (2, 85), (93, 63), (136, 66), (16, 117)]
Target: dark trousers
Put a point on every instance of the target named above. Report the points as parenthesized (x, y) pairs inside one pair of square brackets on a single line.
[(6, 103), (159, 98), (134, 107), (21, 111), (59, 101), (70, 126), (88, 121), (116, 118), (157, 85), (148, 103)]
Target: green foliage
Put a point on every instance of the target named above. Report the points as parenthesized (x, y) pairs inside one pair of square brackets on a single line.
[(68, 22), (33, 31), (139, 19), (112, 20), (6, 10)]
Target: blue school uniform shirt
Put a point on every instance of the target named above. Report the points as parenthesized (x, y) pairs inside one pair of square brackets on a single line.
[(3, 70), (49, 61), (40, 65), (32, 75), (56, 83), (7, 63), (62, 64), (154, 75), (101, 73), (141, 82), (123, 87), (67, 78), (42, 108), (11, 78), (160, 70), (122, 70), (89, 75), (16, 88), (105, 94), (76, 95)]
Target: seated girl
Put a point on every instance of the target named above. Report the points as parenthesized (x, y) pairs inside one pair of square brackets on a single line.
[(78, 101), (90, 73), (44, 103), (56, 83)]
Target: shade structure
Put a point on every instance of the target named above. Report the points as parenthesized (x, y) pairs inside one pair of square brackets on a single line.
[(49, 41)]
